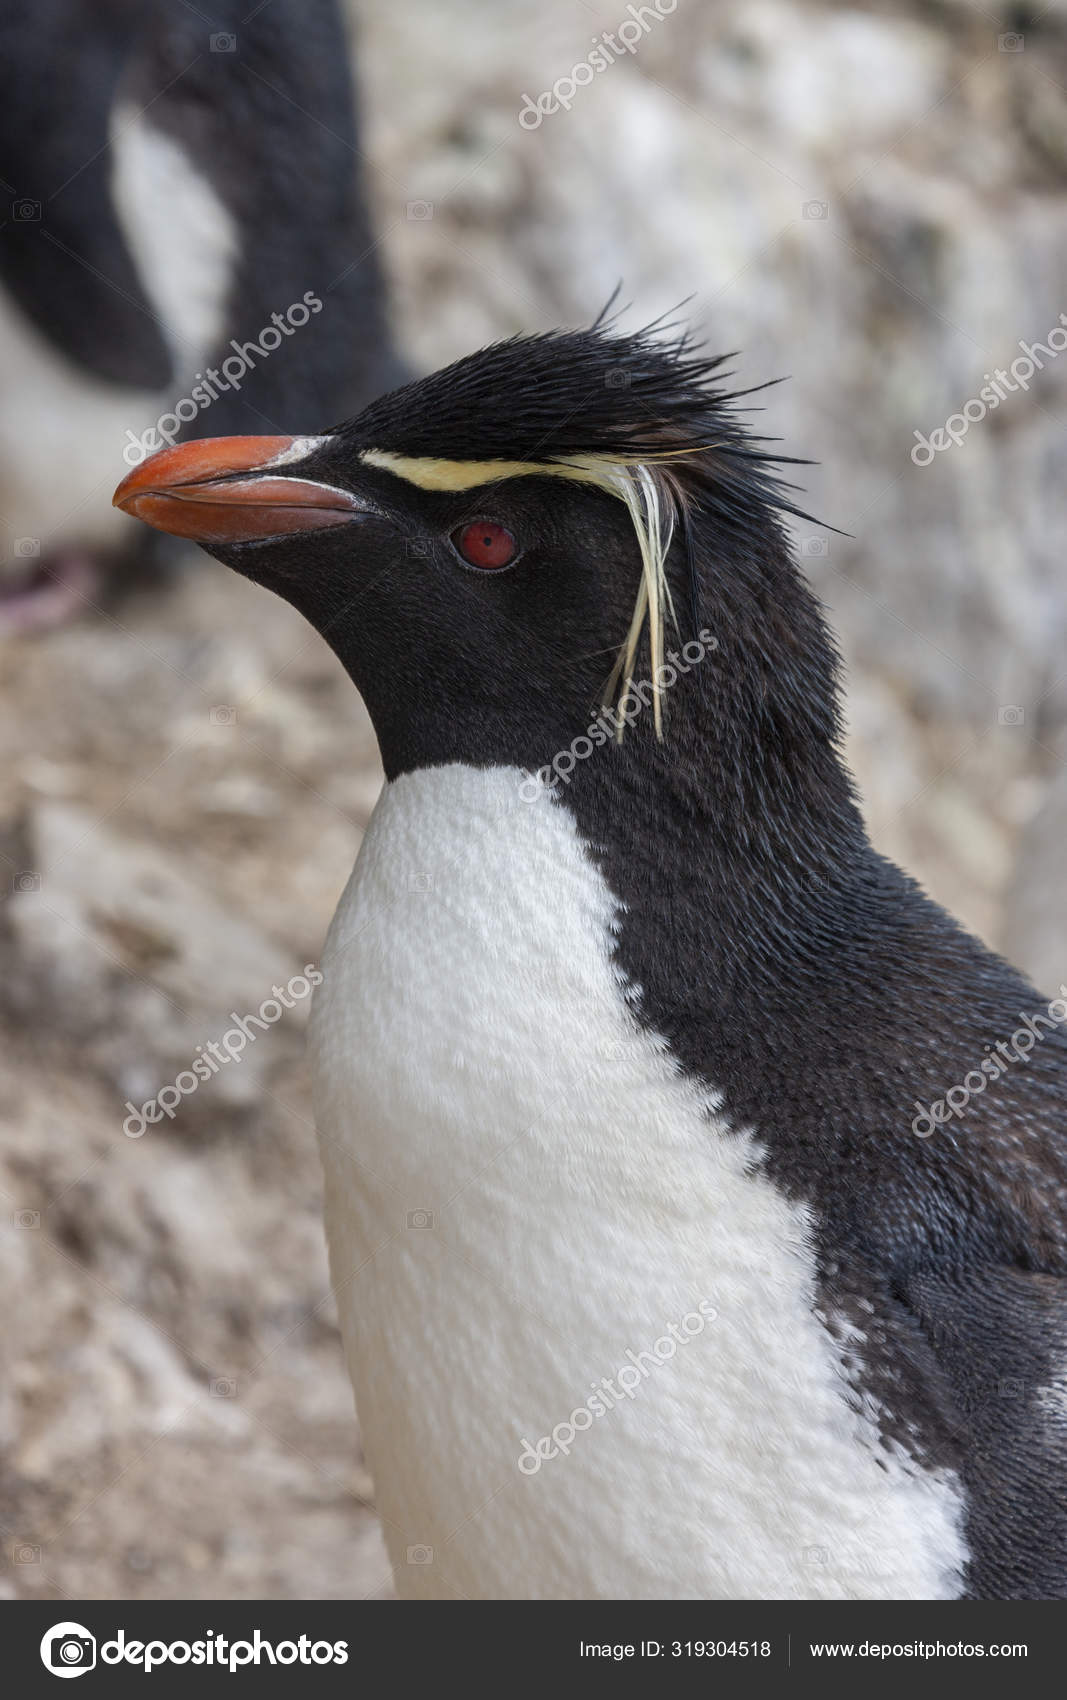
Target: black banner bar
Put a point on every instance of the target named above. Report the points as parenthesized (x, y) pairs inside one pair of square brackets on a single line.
[(330, 1645)]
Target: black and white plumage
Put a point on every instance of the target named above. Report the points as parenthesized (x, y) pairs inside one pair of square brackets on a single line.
[(168, 182), (607, 1039)]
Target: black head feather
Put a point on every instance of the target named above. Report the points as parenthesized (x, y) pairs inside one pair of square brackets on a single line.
[(585, 392)]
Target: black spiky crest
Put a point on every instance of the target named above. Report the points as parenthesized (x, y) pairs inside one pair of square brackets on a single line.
[(645, 397)]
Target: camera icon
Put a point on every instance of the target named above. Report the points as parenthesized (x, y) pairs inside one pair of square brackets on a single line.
[(68, 1649), (26, 1555), (421, 882), (1011, 714), (815, 209), (419, 548), (27, 1218), (617, 379), (26, 880), (223, 1387), (418, 210), (815, 546), (1010, 1389), (223, 42), (421, 1219), (223, 714), (1013, 42), (420, 1555), (26, 212), (816, 1555), (27, 546)]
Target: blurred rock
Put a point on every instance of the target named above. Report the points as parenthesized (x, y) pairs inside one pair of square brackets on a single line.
[(110, 944)]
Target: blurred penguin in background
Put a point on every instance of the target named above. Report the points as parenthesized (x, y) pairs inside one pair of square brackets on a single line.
[(181, 211)]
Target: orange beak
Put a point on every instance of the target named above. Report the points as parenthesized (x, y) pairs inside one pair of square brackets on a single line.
[(195, 490)]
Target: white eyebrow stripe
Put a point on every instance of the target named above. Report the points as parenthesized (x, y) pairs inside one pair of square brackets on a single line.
[(428, 472)]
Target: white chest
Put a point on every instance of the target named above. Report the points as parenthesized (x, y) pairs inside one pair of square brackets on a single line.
[(536, 1221)]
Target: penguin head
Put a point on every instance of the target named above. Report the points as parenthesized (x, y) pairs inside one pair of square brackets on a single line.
[(559, 529)]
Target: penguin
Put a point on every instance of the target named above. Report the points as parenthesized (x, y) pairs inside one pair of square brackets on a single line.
[(183, 234), (696, 1187)]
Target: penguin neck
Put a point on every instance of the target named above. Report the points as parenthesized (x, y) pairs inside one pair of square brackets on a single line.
[(754, 855), (742, 886)]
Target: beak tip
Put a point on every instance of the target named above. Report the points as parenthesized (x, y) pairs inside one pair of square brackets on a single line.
[(195, 490), (202, 457), (122, 494)]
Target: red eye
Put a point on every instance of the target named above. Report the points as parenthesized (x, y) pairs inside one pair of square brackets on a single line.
[(486, 544)]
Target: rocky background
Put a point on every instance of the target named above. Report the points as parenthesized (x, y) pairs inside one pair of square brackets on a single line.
[(868, 199)]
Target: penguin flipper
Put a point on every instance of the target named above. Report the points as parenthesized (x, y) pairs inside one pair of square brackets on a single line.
[(999, 1337)]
